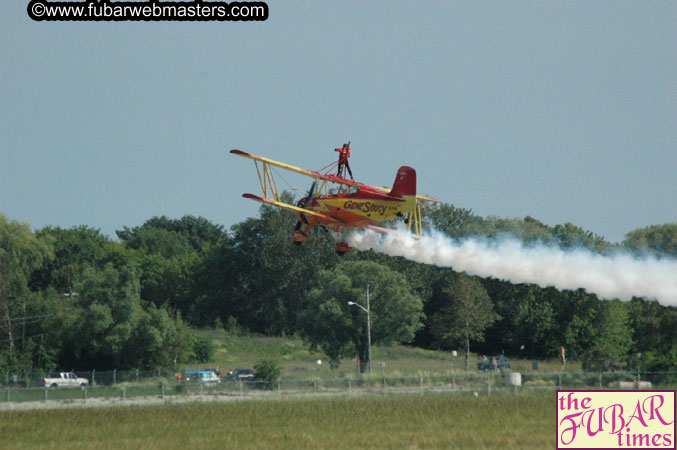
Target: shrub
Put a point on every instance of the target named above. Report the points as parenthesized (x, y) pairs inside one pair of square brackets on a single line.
[(267, 372), (203, 349)]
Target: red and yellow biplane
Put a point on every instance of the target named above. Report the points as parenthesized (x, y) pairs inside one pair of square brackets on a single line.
[(350, 205)]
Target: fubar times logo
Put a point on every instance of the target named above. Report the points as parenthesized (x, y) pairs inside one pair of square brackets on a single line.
[(616, 420)]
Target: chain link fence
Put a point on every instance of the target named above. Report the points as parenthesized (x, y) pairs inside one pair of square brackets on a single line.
[(128, 384)]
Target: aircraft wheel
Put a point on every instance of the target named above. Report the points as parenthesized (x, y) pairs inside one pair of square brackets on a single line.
[(297, 242)]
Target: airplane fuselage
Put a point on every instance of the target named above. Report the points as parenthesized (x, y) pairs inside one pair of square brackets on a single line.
[(358, 209)]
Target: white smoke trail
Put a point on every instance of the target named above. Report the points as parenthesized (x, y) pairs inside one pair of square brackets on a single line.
[(620, 275)]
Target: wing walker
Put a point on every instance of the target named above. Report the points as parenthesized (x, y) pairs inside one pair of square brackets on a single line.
[(348, 204)]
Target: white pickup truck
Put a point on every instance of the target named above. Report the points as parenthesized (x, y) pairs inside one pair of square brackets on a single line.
[(65, 379)]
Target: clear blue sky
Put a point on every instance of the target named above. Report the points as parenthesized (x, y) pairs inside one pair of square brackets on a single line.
[(564, 111)]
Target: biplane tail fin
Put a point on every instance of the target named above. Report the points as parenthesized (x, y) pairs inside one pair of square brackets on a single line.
[(405, 182)]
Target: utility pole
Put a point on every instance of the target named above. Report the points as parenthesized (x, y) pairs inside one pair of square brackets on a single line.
[(368, 311), (368, 331)]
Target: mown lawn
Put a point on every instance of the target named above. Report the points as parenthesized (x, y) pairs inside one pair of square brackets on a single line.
[(505, 420)]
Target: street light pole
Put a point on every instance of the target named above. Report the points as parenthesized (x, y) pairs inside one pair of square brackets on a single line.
[(367, 310), (368, 332)]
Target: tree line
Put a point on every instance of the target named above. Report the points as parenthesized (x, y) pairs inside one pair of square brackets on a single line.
[(77, 299)]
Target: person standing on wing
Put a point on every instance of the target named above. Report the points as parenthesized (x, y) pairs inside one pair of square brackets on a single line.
[(344, 154)]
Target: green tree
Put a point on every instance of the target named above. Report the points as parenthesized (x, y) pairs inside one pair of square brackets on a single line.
[(654, 342), (21, 252), (465, 313), (579, 311), (340, 330), (570, 236), (175, 257), (273, 274), (170, 237), (75, 250), (450, 220), (156, 241), (657, 239), (108, 309), (613, 336), (527, 325), (158, 341)]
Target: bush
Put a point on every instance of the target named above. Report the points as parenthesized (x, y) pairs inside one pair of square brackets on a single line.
[(233, 328), (267, 372), (203, 349)]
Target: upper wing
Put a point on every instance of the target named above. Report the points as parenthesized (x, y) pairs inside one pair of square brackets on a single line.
[(310, 173), (291, 207), (321, 176)]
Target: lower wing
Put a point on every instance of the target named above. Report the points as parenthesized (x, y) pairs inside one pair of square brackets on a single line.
[(289, 207)]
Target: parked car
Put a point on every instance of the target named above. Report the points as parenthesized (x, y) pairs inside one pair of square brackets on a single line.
[(202, 376), (241, 375), (65, 379), (493, 363)]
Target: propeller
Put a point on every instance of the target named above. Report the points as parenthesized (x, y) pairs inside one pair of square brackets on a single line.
[(302, 204), (309, 195)]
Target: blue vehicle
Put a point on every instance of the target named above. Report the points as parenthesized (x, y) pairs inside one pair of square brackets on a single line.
[(206, 376)]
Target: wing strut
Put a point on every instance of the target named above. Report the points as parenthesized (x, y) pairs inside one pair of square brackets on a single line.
[(267, 180), (414, 219)]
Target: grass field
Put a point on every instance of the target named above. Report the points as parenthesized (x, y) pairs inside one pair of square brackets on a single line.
[(297, 361), (503, 421)]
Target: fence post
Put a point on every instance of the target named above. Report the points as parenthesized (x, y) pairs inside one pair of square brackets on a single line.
[(85, 395), (420, 382), (240, 388), (137, 374), (279, 392), (124, 392), (350, 387), (600, 380), (489, 385), (114, 377), (201, 388), (8, 391), (560, 380), (46, 396), (315, 384), (163, 390)]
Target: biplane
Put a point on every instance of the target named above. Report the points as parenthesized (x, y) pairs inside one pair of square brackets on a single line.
[(350, 205)]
